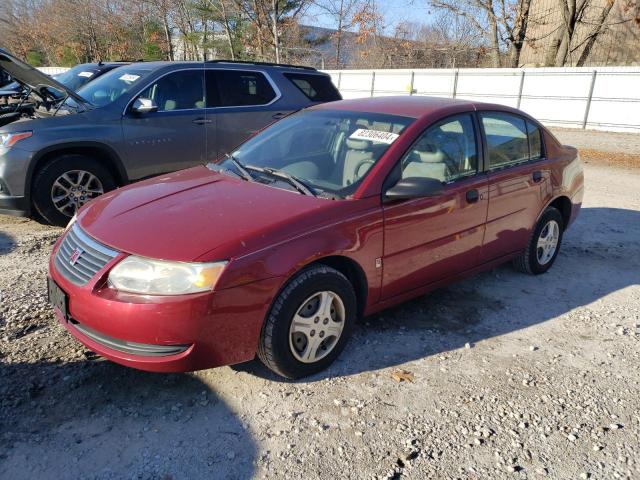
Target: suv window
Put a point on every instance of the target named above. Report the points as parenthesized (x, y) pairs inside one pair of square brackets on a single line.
[(446, 151), (506, 137), (237, 88), (316, 88), (182, 90)]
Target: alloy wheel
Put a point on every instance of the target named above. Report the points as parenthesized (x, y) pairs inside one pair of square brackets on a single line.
[(73, 189)]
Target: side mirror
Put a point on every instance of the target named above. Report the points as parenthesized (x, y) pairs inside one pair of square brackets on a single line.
[(144, 105), (414, 187)]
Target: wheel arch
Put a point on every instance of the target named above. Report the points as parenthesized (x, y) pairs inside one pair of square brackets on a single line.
[(563, 204), (97, 150)]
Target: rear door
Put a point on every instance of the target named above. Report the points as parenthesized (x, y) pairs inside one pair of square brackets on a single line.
[(429, 239), (518, 181), (174, 137), (240, 102)]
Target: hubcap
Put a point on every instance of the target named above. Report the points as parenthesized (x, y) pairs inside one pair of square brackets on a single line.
[(73, 189), (316, 327), (548, 242)]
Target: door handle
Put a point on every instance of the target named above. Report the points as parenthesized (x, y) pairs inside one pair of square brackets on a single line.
[(279, 115), (537, 176), (202, 121), (472, 196)]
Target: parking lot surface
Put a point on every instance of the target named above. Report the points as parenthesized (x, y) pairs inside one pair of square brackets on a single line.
[(506, 376)]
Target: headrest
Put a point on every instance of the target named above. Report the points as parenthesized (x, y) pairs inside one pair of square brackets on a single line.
[(355, 144)]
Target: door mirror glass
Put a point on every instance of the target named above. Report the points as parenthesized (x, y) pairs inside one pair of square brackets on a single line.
[(414, 187), (144, 105)]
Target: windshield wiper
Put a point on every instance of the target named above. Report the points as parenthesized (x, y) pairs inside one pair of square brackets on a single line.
[(236, 163), (297, 184)]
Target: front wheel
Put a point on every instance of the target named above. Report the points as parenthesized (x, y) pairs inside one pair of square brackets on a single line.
[(66, 183), (544, 244), (309, 323)]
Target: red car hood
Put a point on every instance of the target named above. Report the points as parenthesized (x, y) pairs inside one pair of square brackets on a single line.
[(197, 214)]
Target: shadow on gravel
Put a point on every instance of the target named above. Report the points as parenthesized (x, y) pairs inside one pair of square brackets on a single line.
[(7, 243), (600, 255), (95, 419)]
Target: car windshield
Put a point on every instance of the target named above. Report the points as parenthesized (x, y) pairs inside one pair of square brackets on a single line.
[(330, 151), (110, 86), (76, 77)]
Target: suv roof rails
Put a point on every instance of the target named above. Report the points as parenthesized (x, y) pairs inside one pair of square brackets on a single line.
[(264, 64)]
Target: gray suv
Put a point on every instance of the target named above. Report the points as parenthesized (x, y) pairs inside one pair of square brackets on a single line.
[(134, 122)]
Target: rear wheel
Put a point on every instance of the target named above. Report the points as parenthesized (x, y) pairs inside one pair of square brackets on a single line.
[(544, 244), (309, 323), (66, 183)]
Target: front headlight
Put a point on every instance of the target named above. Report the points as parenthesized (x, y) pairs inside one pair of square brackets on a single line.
[(8, 140), (159, 277)]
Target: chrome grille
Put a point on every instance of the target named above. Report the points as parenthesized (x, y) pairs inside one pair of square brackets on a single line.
[(90, 255)]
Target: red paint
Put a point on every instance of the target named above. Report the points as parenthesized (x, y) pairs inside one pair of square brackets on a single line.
[(268, 234)]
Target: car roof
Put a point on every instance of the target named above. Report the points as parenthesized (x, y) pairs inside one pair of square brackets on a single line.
[(414, 106)]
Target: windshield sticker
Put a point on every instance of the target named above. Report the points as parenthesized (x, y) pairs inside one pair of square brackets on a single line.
[(374, 136), (85, 74), (128, 77)]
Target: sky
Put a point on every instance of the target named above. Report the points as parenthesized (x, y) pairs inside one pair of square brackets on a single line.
[(393, 11)]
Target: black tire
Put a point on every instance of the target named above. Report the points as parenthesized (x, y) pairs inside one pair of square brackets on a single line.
[(274, 349), (51, 171), (528, 261)]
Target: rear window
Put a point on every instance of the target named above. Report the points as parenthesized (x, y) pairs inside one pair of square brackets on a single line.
[(317, 88)]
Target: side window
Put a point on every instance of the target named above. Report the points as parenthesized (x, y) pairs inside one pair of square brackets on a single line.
[(317, 88), (446, 151), (183, 90), (535, 141), (506, 137), (242, 88)]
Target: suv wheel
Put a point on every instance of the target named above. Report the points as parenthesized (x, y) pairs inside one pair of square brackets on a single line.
[(309, 323), (66, 183), (544, 244)]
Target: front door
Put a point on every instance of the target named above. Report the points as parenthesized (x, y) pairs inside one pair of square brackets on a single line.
[(518, 182), (429, 239), (174, 137)]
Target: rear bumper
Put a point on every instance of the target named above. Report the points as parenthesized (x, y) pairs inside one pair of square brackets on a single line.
[(166, 334)]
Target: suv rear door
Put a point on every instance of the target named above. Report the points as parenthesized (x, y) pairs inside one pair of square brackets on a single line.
[(239, 103), (518, 181), (174, 137)]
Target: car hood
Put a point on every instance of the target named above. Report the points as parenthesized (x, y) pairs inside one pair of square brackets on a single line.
[(33, 78), (199, 215)]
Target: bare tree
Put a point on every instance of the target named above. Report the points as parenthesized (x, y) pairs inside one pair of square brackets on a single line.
[(342, 12)]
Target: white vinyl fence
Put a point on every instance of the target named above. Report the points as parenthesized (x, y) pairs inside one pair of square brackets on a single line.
[(53, 70), (606, 98)]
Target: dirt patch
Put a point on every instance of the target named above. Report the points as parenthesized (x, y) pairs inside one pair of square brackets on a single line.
[(610, 159)]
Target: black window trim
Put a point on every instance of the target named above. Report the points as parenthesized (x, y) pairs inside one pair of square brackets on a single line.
[(485, 146), (480, 153)]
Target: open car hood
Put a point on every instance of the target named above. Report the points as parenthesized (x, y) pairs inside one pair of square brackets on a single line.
[(33, 78)]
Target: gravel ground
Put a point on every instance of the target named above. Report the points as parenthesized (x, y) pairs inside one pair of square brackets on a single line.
[(513, 376), (615, 142)]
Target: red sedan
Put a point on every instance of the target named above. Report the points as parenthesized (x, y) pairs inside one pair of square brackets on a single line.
[(330, 214)]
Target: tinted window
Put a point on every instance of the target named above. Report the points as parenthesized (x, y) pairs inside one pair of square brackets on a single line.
[(535, 141), (330, 150), (446, 151), (506, 137), (238, 88), (110, 86), (182, 90), (316, 88)]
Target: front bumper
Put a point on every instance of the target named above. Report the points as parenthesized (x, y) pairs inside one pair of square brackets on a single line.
[(18, 206), (204, 330)]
